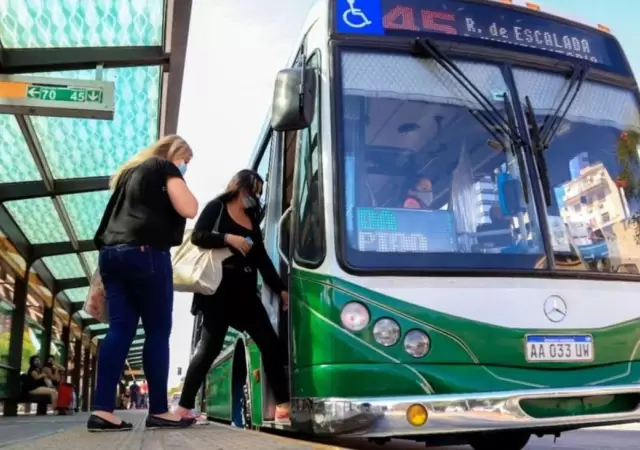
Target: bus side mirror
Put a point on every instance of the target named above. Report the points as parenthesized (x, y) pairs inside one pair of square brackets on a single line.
[(293, 99)]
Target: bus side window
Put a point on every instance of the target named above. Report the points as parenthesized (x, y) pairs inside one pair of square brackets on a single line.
[(263, 171), (309, 247), (290, 146)]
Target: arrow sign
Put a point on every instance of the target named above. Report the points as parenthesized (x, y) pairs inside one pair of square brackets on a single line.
[(33, 92), (94, 95)]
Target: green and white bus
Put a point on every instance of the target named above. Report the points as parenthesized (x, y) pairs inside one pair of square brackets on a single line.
[(452, 196)]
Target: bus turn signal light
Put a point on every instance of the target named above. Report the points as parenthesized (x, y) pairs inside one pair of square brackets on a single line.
[(417, 415)]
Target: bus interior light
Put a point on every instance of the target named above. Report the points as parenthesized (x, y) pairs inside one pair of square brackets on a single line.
[(354, 316), (386, 332), (417, 343)]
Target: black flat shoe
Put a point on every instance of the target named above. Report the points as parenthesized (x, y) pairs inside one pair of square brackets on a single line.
[(98, 424), (154, 423)]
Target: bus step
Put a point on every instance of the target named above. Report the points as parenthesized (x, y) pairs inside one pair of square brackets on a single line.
[(277, 425)]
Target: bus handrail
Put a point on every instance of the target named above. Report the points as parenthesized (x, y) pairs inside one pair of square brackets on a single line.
[(284, 216)]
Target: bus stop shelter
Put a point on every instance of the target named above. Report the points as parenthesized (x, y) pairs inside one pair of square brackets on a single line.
[(54, 170)]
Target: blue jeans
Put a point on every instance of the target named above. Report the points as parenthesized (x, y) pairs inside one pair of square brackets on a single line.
[(139, 285)]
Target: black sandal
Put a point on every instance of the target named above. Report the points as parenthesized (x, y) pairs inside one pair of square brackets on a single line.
[(98, 424), (154, 422)]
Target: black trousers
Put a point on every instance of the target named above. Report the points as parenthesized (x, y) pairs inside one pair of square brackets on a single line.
[(234, 304)]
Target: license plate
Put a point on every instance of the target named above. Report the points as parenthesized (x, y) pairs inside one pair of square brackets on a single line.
[(559, 348)]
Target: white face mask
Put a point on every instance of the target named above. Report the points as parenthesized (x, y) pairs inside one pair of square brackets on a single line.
[(425, 197)]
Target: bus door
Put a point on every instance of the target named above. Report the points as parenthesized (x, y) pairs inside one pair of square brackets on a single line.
[(297, 238)]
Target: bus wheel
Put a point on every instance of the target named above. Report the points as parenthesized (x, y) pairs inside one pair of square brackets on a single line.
[(246, 405), (501, 441)]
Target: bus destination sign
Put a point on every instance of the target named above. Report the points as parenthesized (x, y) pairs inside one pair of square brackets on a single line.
[(495, 23)]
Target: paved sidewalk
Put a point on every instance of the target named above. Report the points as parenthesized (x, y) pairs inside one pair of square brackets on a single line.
[(69, 433), (25, 427)]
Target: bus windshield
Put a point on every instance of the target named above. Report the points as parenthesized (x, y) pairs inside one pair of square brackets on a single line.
[(428, 184), (592, 168)]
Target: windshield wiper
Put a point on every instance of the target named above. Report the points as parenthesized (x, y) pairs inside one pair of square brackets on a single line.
[(489, 117), (490, 113), (511, 120), (538, 151), (552, 123), (541, 137)]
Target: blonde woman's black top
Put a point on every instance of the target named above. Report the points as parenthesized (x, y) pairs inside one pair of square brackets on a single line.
[(140, 211)]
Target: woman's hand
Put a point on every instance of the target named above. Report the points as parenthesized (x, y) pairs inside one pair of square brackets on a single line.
[(238, 242), (284, 296)]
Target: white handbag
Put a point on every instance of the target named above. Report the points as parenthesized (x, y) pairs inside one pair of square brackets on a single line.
[(197, 270)]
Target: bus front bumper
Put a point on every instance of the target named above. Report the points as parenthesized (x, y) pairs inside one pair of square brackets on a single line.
[(457, 413)]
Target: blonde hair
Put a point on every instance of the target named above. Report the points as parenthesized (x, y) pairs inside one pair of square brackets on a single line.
[(168, 147)]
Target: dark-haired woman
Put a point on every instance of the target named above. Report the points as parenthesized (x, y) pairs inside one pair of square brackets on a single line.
[(236, 303), (37, 382)]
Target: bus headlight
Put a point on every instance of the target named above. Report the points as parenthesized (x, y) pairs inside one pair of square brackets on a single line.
[(386, 332), (354, 316), (417, 343)]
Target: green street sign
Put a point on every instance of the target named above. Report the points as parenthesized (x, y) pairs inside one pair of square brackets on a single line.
[(56, 97), (64, 94)]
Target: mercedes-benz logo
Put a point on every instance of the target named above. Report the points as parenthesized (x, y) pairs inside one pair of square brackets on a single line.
[(555, 308)]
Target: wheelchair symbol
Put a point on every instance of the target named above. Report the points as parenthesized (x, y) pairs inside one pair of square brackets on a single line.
[(352, 13)]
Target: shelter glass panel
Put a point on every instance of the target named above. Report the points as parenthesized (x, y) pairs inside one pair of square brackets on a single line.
[(81, 23), (16, 164), (92, 260), (97, 327), (84, 315), (77, 295), (64, 266), (38, 220), (85, 212)]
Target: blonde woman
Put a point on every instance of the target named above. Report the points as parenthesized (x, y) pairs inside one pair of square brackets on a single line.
[(145, 217)]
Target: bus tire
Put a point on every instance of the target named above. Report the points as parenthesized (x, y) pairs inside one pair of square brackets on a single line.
[(501, 441)]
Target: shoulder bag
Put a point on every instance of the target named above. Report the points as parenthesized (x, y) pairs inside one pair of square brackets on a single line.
[(197, 270)]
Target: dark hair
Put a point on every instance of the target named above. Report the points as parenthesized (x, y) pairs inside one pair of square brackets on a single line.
[(244, 180), (32, 360)]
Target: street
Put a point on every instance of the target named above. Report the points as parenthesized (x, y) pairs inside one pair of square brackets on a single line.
[(621, 437)]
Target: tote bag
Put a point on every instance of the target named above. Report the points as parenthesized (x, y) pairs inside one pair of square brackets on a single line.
[(197, 270), (96, 302)]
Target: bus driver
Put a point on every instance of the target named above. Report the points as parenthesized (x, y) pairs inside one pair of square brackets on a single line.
[(420, 196)]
